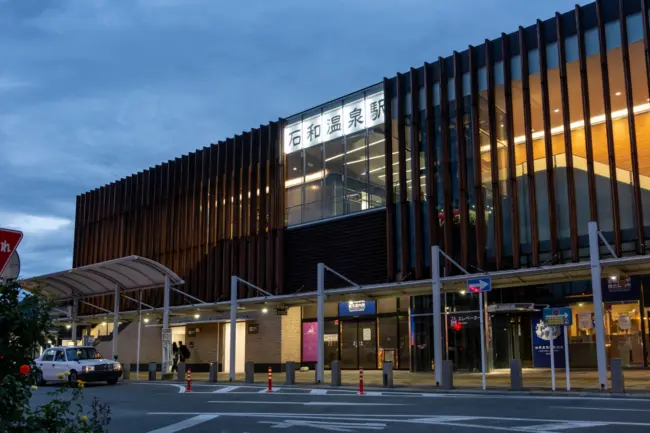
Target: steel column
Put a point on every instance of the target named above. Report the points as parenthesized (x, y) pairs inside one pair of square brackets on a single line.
[(437, 316), (116, 314), (594, 255), (320, 317), (233, 325), (166, 331)]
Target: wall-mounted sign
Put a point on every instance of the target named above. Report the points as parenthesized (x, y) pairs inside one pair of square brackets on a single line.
[(458, 321), (357, 308), (310, 342), (281, 311), (346, 119), (331, 338), (621, 289), (624, 322), (253, 328)]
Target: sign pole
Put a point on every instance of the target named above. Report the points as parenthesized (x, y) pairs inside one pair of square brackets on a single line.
[(566, 358), (482, 321), (552, 361)]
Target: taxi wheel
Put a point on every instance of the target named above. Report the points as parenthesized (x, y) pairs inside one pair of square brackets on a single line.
[(39, 379), (72, 379)]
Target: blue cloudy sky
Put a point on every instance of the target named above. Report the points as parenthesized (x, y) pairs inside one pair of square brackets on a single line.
[(94, 90)]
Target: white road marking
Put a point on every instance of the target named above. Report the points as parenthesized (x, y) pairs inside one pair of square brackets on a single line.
[(331, 426), (414, 418), (225, 389), (614, 409), (266, 390), (559, 426), (318, 392), (301, 403), (199, 419)]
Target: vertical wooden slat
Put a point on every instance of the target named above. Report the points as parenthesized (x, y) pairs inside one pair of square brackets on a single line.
[(446, 163), (586, 113), (244, 173), (270, 244), (77, 229), (264, 197), (512, 164), (253, 207), (432, 156), (227, 270), (212, 205), (494, 157), (278, 146), (415, 176), (568, 144), (204, 208), (405, 249), (185, 223), (388, 180), (548, 143), (462, 160), (476, 148), (638, 206), (609, 130), (530, 162)]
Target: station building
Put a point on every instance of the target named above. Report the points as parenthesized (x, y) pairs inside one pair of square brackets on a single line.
[(500, 154)]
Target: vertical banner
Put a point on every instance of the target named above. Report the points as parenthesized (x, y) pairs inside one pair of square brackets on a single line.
[(310, 342), (542, 335)]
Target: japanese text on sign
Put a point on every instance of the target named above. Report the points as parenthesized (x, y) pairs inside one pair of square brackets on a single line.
[(347, 119)]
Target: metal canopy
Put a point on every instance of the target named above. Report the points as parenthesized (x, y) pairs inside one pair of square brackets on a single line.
[(127, 273)]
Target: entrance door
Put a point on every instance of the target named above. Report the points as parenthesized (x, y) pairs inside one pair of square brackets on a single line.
[(359, 344)]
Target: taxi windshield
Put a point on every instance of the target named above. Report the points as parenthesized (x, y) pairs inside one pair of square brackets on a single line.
[(82, 353)]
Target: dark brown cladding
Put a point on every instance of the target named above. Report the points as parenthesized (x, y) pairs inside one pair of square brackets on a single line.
[(186, 215)]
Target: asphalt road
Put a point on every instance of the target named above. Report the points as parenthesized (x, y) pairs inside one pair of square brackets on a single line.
[(141, 407)]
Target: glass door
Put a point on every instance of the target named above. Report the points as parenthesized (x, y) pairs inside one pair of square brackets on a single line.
[(349, 344), (367, 338)]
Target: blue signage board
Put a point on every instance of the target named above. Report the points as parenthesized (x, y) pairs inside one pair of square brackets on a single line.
[(357, 308), (477, 285), (542, 335), (558, 316)]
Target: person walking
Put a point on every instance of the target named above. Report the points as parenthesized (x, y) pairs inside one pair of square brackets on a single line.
[(175, 353), (183, 351)]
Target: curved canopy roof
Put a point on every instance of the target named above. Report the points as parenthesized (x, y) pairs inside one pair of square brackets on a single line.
[(129, 273)]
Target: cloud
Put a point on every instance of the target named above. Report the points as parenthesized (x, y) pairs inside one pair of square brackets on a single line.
[(95, 90)]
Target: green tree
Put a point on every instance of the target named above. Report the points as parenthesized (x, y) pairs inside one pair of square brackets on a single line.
[(24, 325)]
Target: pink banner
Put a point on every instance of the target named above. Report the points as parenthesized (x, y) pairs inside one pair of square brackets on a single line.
[(310, 342)]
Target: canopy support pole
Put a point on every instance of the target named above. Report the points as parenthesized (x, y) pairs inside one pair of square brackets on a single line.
[(320, 365), (166, 331), (594, 255), (137, 355), (75, 308), (116, 314), (233, 325)]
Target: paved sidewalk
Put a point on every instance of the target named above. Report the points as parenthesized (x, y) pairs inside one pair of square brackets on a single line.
[(636, 380)]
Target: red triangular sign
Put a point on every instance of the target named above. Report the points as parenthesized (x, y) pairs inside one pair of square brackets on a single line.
[(9, 241)]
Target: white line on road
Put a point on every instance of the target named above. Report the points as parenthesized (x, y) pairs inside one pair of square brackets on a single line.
[(318, 392), (226, 389), (614, 409), (309, 403), (265, 390), (199, 419)]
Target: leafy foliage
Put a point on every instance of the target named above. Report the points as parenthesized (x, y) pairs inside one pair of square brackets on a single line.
[(24, 325)]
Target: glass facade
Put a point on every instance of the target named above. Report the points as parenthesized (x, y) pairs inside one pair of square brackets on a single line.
[(334, 159)]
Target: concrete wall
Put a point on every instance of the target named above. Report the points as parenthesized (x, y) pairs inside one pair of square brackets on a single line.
[(127, 344), (291, 334), (205, 342), (266, 345)]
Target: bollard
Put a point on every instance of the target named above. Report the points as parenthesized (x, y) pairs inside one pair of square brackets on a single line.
[(214, 372), (447, 374), (388, 374), (270, 380), (336, 373), (361, 382), (180, 371), (189, 380), (618, 383), (126, 371), (290, 374), (249, 369), (516, 376), (152, 371)]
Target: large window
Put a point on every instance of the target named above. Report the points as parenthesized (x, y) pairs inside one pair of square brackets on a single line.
[(335, 161)]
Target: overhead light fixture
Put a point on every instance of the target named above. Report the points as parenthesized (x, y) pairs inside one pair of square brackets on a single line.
[(581, 304), (265, 310), (613, 277), (68, 326), (146, 320), (196, 316), (557, 110), (463, 292), (618, 93), (104, 323)]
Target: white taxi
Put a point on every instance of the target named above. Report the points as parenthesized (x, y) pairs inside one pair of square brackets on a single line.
[(75, 363)]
